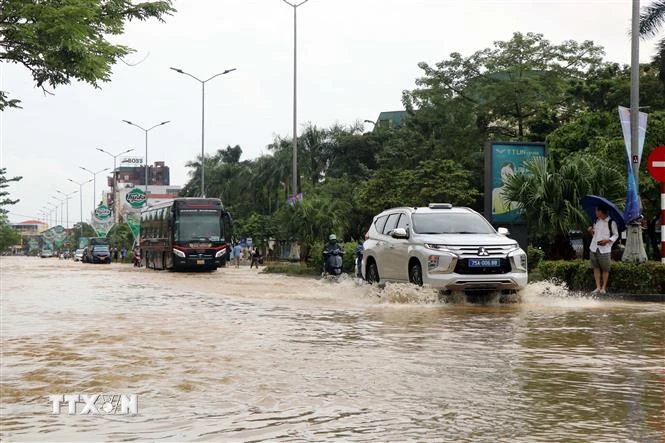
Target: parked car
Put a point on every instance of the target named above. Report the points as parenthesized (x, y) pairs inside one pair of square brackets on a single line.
[(97, 254), (78, 254), (46, 253), (449, 248)]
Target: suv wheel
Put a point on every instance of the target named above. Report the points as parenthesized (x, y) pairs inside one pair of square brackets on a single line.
[(372, 273), (416, 274)]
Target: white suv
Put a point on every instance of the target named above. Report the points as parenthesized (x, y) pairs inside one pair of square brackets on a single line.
[(445, 247)]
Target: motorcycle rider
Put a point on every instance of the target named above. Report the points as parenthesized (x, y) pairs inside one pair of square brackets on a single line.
[(331, 245), (332, 248)]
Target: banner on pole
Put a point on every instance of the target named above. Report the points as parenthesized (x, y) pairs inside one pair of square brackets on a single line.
[(632, 211)]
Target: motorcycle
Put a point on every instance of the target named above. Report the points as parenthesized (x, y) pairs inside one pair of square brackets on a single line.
[(332, 262)]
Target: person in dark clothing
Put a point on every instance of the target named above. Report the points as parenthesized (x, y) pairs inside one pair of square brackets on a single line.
[(359, 258), (255, 257)]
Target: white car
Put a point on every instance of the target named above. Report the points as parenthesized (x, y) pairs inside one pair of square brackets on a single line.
[(78, 255), (454, 249)]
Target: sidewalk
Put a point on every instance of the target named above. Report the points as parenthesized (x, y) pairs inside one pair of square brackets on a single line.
[(657, 298)]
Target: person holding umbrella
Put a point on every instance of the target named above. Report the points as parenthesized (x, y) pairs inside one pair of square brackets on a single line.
[(605, 232)]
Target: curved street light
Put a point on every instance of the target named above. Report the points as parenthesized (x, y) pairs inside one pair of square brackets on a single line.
[(94, 184), (81, 200), (115, 176), (54, 207), (203, 98), (146, 147), (62, 203), (67, 197)]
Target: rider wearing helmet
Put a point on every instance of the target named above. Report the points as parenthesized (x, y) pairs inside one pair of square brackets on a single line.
[(332, 244)]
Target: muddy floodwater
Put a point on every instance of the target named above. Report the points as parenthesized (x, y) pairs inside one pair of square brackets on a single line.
[(236, 355)]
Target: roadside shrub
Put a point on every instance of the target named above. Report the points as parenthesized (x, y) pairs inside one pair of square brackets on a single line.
[(645, 278), (290, 269), (534, 257), (316, 257), (349, 260)]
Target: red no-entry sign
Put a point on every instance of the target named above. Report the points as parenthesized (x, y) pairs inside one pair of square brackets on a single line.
[(656, 164)]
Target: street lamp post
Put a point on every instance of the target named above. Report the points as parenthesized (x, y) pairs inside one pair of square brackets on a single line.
[(94, 184), (80, 201), (295, 134), (146, 147), (67, 197), (203, 95), (62, 204), (115, 175), (54, 208)]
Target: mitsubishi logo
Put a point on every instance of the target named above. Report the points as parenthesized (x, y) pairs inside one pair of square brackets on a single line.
[(482, 252)]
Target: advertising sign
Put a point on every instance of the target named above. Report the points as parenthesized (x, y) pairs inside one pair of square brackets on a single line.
[(102, 212), (136, 198), (502, 160), (131, 162), (133, 219)]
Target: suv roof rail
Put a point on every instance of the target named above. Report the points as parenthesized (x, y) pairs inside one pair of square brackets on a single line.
[(440, 206)]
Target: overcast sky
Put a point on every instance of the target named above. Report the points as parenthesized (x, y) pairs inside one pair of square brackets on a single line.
[(355, 57)]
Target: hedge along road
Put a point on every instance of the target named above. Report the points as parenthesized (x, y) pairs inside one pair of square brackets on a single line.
[(238, 355)]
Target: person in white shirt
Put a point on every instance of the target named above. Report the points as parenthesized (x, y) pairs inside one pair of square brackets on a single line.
[(601, 247)]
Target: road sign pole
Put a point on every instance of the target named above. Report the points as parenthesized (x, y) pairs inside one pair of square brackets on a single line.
[(662, 222), (656, 167)]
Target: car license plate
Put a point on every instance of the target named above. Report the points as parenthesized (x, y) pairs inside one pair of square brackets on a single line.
[(484, 262), (200, 262)]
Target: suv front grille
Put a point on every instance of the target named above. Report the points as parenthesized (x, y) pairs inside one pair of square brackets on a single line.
[(496, 251)]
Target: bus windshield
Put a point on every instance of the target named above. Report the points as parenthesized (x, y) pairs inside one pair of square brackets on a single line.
[(198, 226)]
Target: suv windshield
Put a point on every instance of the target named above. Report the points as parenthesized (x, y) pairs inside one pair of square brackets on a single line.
[(451, 223), (100, 248)]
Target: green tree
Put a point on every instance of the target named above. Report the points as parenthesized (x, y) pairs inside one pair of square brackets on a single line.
[(120, 236), (652, 20), (63, 40), (512, 87), (429, 181), (4, 184), (8, 236)]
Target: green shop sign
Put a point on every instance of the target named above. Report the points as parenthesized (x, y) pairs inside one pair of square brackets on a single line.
[(102, 212), (136, 198)]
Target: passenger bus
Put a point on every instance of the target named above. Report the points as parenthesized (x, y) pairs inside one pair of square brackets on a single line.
[(185, 233)]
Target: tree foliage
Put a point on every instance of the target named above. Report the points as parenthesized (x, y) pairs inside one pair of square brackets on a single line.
[(63, 40), (4, 184)]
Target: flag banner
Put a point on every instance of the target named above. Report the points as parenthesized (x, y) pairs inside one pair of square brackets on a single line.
[(632, 210)]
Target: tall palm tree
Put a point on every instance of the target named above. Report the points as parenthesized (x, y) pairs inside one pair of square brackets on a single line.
[(652, 21)]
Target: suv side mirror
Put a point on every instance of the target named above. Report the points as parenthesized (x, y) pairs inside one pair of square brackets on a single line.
[(399, 233), (503, 231)]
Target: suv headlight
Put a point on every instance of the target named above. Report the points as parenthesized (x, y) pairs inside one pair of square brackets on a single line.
[(179, 253), (437, 247), (220, 252), (518, 257)]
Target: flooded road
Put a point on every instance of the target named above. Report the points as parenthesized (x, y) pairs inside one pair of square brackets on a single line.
[(239, 356)]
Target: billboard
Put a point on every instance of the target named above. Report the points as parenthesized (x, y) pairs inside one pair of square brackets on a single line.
[(503, 159), (130, 162)]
